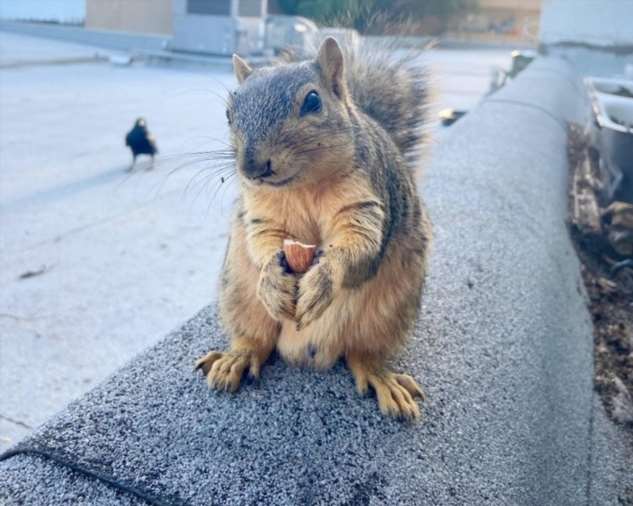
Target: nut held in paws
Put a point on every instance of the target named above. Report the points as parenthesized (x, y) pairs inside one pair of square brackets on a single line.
[(298, 255)]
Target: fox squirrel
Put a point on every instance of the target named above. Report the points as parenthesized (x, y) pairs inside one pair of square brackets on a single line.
[(325, 150)]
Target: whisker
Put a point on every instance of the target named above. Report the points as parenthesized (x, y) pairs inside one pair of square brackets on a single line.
[(193, 163), (227, 183), (209, 153), (189, 184)]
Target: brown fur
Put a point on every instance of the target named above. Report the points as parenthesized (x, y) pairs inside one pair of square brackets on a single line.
[(352, 193)]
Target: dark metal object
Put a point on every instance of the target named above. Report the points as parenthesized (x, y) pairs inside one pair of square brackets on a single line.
[(617, 147), (613, 111)]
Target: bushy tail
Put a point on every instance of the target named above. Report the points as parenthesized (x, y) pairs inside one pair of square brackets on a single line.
[(391, 86)]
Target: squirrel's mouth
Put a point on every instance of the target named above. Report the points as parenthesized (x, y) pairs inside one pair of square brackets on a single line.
[(263, 175), (283, 182)]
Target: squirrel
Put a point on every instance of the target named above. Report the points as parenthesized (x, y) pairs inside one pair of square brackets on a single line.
[(326, 150)]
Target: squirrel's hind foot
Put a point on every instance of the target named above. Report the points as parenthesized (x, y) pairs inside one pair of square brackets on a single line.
[(395, 392), (224, 370)]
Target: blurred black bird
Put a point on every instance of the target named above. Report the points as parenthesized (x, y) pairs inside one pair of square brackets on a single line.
[(141, 142)]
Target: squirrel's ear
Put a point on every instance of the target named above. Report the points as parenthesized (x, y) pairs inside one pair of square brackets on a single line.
[(241, 68), (331, 62)]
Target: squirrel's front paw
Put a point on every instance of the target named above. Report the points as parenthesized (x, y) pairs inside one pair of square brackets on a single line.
[(316, 291), (277, 288)]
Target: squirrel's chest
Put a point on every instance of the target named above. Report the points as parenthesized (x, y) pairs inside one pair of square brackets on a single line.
[(303, 218), (303, 224), (303, 215)]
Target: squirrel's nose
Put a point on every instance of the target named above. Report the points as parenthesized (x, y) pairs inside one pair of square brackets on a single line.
[(256, 170)]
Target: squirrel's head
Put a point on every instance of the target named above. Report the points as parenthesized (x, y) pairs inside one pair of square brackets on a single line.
[(290, 123)]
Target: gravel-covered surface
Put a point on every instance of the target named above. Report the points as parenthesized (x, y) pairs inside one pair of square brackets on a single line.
[(503, 348), (49, 483)]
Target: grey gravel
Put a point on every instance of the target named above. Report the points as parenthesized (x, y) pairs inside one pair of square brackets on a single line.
[(503, 348), (49, 483)]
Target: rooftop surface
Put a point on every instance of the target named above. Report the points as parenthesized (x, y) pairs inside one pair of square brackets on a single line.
[(503, 348)]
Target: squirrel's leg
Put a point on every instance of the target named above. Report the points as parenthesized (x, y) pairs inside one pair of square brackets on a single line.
[(381, 319), (395, 392), (254, 332)]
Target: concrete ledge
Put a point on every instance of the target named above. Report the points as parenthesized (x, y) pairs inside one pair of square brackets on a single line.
[(503, 348)]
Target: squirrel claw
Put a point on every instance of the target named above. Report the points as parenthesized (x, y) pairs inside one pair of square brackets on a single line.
[(395, 392), (410, 385), (224, 370), (205, 363), (393, 399)]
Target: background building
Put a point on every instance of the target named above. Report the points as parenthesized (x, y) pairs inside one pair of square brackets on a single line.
[(225, 26), (144, 16), (499, 20), (604, 23), (205, 26)]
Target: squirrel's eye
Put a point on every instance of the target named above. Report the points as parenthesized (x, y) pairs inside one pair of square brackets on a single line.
[(312, 103)]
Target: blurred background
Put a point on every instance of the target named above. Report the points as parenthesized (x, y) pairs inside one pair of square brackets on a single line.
[(481, 20), (99, 261)]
